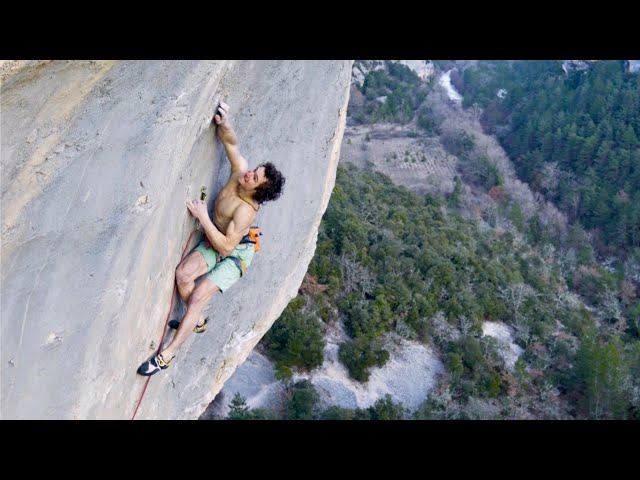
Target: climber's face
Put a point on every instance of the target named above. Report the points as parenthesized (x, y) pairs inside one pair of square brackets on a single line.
[(252, 179)]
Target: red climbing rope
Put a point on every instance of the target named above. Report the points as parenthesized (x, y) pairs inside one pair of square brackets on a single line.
[(164, 330)]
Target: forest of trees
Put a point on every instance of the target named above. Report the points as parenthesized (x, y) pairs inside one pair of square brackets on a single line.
[(391, 260), (573, 137)]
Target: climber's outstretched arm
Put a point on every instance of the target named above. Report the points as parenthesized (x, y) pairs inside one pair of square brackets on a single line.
[(228, 137)]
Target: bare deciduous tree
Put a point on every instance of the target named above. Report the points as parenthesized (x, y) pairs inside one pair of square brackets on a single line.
[(523, 331), (404, 330), (355, 276), (632, 270), (481, 409), (476, 112), (550, 176), (516, 295), (613, 310), (549, 404), (442, 330), (367, 213), (465, 325)]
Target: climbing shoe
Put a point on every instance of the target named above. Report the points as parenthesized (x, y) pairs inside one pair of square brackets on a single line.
[(198, 328), (153, 365)]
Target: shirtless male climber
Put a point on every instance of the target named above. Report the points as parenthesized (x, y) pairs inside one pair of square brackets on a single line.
[(227, 249)]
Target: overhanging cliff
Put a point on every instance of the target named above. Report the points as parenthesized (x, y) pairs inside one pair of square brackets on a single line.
[(97, 161)]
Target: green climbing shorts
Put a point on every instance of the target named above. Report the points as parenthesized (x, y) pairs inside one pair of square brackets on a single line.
[(224, 273)]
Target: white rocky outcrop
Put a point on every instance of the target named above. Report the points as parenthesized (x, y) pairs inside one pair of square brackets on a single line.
[(409, 376), (422, 68), (508, 350), (634, 65), (568, 65)]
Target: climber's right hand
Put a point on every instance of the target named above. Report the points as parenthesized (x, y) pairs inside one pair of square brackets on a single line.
[(221, 116)]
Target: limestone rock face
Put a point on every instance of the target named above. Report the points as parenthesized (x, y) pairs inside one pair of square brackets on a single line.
[(98, 159)]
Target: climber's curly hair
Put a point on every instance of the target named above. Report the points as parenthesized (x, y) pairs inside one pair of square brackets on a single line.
[(272, 189)]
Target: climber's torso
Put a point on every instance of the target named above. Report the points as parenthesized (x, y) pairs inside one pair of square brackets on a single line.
[(226, 203)]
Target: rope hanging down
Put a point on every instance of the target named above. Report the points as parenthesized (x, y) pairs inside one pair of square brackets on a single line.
[(203, 196)]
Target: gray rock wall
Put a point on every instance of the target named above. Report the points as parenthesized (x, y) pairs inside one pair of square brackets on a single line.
[(97, 161)]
